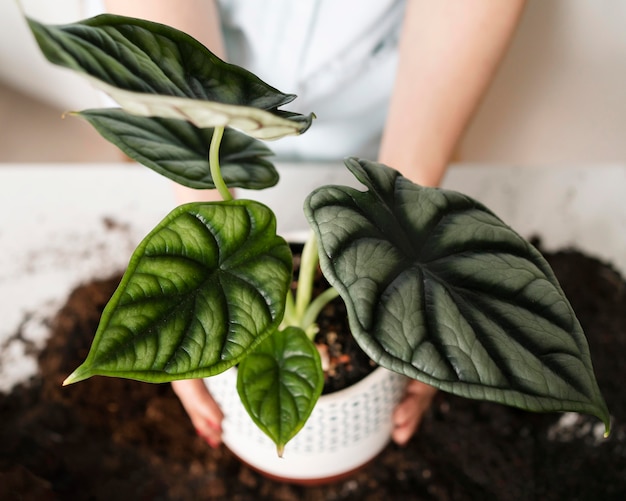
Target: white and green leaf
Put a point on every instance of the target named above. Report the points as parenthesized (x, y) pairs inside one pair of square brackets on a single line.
[(154, 70)]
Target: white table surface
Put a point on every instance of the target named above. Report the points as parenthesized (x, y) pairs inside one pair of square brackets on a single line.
[(62, 225)]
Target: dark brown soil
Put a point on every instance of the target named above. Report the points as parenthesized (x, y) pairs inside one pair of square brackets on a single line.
[(108, 439)]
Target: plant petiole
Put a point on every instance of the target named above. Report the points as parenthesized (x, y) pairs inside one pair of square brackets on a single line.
[(214, 164)]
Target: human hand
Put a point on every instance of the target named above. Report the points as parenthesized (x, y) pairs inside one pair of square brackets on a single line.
[(203, 411), (207, 417), (408, 414)]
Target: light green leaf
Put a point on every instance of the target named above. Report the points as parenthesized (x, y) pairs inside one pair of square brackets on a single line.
[(280, 382), (154, 70), (440, 289), (179, 150), (202, 290)]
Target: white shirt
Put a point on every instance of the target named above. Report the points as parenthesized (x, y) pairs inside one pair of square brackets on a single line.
[(338, 56)]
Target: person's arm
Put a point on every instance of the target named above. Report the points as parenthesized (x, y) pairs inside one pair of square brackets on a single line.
[(449, 52), (198, 18)]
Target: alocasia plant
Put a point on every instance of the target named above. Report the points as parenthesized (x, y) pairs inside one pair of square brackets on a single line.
[(437, 287)]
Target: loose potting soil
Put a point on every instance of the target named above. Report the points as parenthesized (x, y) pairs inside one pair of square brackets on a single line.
[(107, 438)]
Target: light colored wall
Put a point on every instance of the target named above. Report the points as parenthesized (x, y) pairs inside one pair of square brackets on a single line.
[(32, 131), (560, 97), (23, 67)]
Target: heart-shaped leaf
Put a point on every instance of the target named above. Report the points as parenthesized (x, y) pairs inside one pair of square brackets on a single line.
[(154, 70), (280, 382), (202, 290), (440, 289), (179, 150)]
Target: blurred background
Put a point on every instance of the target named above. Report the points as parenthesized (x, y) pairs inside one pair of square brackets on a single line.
[(559, 98)]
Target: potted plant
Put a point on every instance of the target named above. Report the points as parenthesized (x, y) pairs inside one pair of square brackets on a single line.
[(436, 286)]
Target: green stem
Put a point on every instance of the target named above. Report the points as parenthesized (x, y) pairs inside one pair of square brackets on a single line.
[(289, 319), (314, 309), (214, 163), (302, 312), (308, 265)]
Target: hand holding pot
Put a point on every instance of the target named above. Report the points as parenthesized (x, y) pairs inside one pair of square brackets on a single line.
[(408, 414), (206, 415), (203, 411)]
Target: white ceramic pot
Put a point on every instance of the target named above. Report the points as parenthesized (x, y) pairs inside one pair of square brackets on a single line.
[(346, 429)]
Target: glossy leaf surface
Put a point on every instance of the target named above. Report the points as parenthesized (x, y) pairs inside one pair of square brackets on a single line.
[(202, 290), (280, 382), (179, 150), (440, 289), (153, 70)]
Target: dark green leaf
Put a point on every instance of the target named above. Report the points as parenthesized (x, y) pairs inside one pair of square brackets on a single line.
[(440, 289), (280, 382), (202, 290), (179, 150), (154, 70)]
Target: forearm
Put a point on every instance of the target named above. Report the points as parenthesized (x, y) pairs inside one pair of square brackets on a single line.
[(198, 18), (449, 52)]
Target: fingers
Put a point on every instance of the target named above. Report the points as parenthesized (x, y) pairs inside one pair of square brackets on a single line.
[(207, 417), (205, 414), (408, 414)]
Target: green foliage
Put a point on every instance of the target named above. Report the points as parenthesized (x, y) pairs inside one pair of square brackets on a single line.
[(440, 289), (436, 286), (202, 290), (153, 70), (280, 382), (178, 150)]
